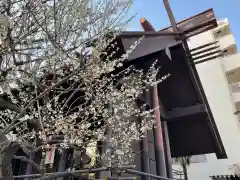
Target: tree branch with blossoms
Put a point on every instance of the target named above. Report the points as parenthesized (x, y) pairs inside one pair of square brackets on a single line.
[(57, 90)]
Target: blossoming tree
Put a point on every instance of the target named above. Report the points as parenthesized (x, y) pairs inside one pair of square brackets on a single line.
[(56, 89)]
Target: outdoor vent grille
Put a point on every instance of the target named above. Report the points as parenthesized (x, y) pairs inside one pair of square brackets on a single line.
[(205, 52)]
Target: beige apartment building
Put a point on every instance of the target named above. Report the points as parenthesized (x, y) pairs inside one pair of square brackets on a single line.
[(220, 78)]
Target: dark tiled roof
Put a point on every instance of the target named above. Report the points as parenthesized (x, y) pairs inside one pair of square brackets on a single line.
[(226, 177)]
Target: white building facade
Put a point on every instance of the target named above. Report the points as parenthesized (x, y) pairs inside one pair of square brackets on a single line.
[(221, 82)]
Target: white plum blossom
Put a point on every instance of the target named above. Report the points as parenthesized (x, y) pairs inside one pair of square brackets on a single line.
[(63, 83)]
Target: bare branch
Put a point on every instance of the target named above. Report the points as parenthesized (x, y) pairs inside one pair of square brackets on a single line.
[(24, 159)]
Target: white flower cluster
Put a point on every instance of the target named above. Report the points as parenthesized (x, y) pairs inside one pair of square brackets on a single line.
[(80, 98), (100, 103)]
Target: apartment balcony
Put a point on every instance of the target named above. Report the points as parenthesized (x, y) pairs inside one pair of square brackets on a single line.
[(235, 89), (231, 65), (226, 42), (222, 29), (236, 97)]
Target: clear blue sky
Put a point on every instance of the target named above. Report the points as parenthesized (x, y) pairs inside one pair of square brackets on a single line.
[(154, 11)]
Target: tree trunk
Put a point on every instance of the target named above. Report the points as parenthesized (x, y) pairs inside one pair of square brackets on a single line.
[(7, 155), (184, 166)]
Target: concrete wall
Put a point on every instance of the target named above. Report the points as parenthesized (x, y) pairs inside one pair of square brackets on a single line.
[(216, 86), (200, 39)]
